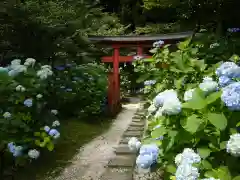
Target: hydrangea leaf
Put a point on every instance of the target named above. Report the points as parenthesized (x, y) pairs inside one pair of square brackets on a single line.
[(218, 120), (171, 168), (223, 173), (192, 123), (197, 102), (236, 178), (50, 146), (206, 165), (158, 132), (204, 152), (213, 97)]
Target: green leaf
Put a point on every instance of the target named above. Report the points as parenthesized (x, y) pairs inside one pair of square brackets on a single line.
[(210, 174), (143, 78), (50, 146), (197, 102), (37, 134), (158, 132), (213, 97), (192, 123), (236, 178), (171, 168), (223, 145), (178, 83), (204, 152), (206, 164), (218, 120), (223, 173)]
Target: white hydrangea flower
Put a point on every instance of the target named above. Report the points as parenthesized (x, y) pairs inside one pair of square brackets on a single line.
[(214, 45), (15, 62), (187, 156), (161, 97), (39, 96), (152, 109), (186, 171), (29, 62), (33, 153), (208, 86), (188, 94), (159, 113), (178, 159), (55, 124), (134, 144), (233, 145), (7, 115), (44, 73), (46, 128), (20, 88), (172, 106), (16, 69), (207, 78), (54, 111)]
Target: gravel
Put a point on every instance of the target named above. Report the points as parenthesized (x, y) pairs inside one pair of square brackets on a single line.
[(90, 161)]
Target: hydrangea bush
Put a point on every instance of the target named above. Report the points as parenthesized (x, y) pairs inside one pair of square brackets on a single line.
[(196, 112), (34, 97), (24, 109)]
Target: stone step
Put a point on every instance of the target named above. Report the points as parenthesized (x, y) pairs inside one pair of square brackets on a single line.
[(137, 134), (137, 120), (122, 161), (117, 174), (124, 149), (135, 128), (124, 140), (138, 124)]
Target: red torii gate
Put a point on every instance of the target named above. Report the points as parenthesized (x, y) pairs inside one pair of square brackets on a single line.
[(117, 42)]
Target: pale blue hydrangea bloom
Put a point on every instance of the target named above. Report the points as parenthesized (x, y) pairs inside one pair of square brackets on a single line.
[(186, 171), (161, 97), (208, 86), (224, 81), (33, 153), (229, 69), (15, 150), (54, 133), (28, 102), (3, 69), (188, 94), (150, 149), (158, 43), (144, 161), (172, 106), (46, 128), (149, 82), (231, 96)]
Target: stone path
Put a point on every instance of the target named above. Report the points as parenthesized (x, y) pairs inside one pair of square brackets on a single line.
[(107, 156)]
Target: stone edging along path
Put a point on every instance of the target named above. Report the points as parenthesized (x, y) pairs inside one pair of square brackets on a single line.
[(121, 167)]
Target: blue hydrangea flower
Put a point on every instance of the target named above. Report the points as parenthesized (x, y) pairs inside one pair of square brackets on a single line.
[(28, 102), (231, 96), (224, 81), (149, 82), (60, 68), (54, 133), (15, 150), (158, 43), (69, 90), (150, 149), (145, 161), (229, 69)]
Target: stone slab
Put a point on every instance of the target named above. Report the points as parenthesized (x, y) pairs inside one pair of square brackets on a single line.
[(137, 117), (137, 134), (135, 128), (124, 149), (117, 174), (138, 124), (122, 161), (124, 141), (136, 120)]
